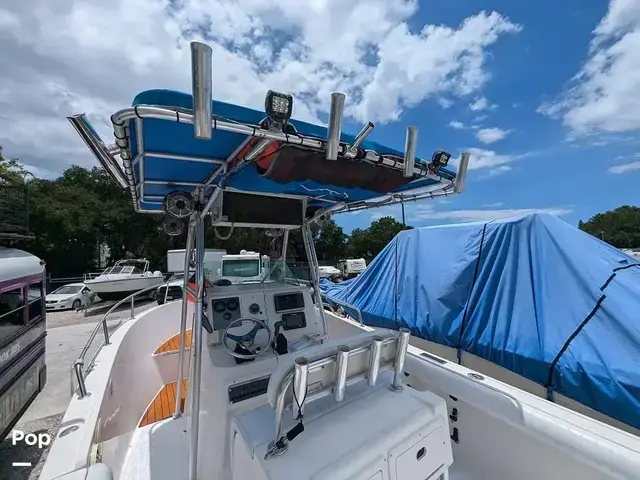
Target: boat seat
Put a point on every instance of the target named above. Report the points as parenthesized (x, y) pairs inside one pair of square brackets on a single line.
[(173, 344), (320, 351), (162, 406)]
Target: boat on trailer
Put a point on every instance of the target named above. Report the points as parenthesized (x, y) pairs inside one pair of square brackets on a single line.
[(265, 384), (124, 278)]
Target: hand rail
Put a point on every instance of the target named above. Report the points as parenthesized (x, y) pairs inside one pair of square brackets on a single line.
[(79, 363), (372, 346)]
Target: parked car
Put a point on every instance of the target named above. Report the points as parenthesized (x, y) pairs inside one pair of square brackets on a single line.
[(72, 295), (174, 284)]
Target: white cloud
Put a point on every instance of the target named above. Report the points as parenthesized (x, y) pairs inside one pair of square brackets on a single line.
[(456, 125), (493, 205), (605, 95), (445, 102), (480, 158), (427, 212), (491, 135), (480, 104), (624, 167), (71, 55)]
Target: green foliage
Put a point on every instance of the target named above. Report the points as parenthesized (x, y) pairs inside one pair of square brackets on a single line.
[(367, 243), (619, 227), (12, 168), (331, 242)]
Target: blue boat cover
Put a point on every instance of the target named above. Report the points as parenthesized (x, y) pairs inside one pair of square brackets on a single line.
[(532, 294), (163, 141)]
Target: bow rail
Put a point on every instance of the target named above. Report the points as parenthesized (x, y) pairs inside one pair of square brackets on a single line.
[(78, 366)]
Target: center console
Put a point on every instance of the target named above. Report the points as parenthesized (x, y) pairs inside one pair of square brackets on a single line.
[(285, 309)]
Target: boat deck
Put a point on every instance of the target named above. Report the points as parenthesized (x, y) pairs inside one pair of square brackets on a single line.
[(163, 404), (173, 344)]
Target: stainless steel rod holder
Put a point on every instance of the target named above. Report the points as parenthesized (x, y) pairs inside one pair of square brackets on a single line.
[(410, 151), (300, 383), (461, 176), (335, 125), (342, 363), (201, 54), (401, 354), (374, 361), (352, 150)]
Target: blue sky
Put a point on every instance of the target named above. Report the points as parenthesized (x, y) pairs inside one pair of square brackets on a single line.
[(545, 95), (536, 65)]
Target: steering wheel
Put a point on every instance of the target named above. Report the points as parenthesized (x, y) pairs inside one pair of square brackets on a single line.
[(247, 340)]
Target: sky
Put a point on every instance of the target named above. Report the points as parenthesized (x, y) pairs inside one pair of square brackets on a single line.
[(544, 95)]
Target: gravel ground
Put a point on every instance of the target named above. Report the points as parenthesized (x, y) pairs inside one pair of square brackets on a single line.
[(68, 332), (24, 453)]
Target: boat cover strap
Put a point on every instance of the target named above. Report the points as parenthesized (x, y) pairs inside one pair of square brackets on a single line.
[(583, 324), (473, 284)]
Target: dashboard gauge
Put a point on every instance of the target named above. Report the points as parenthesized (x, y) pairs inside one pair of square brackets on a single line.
[(233, 305)]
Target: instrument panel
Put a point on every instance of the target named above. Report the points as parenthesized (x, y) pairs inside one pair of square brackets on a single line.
[(287, 310), (225, 311)]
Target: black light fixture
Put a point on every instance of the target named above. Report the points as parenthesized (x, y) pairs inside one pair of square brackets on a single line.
[(278, 106), (440, 159)]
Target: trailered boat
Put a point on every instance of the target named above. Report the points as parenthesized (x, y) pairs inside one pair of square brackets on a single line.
[(124, 278), (265, 385)]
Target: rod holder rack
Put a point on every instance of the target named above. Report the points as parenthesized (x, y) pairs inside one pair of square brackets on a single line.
[(410, 151), (461, 177), (334, 132), (361, 361), (201, 85)]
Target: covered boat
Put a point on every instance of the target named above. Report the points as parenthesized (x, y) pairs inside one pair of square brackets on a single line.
[(532, 296)]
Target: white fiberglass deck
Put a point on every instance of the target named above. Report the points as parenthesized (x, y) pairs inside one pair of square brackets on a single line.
[(499, 432)]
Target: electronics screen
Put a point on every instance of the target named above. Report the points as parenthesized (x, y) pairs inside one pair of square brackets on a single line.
[(288, 301), (292, 321)]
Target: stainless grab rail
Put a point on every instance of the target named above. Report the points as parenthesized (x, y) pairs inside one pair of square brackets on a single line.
[(78, 365)]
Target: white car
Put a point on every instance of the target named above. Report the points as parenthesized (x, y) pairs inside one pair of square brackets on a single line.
[(72, 295)]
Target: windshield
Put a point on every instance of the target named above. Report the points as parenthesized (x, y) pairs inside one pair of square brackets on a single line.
[(67, 290), (112, 271), (241, 268)]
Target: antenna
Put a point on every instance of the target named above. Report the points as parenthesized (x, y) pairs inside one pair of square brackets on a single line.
[(201, 54)]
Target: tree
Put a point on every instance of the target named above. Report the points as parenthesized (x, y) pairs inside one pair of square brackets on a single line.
[(619, 227), (331, 242), (12, 168), (367, 243)]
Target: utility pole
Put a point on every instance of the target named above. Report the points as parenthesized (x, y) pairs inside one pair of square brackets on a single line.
[(403, 221)]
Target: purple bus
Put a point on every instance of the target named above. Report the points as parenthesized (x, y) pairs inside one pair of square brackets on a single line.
[(23, 371)]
